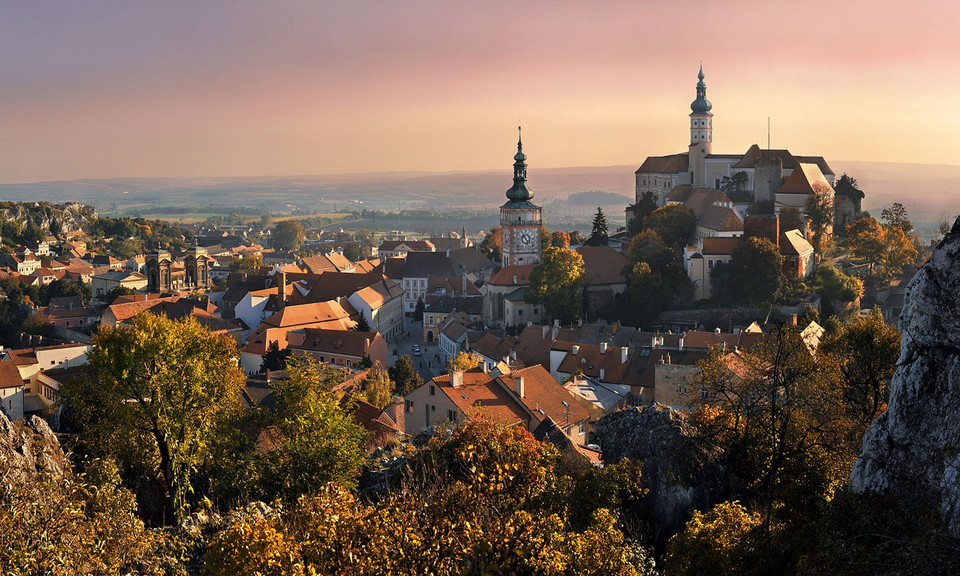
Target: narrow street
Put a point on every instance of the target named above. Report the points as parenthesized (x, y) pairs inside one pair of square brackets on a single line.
[(427, 363)]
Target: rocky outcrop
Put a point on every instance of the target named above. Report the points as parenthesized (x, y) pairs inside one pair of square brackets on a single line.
[(681, 472), (913, 449), (29, 448)]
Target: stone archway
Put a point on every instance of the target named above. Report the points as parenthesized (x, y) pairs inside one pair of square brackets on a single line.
[(429, 335)]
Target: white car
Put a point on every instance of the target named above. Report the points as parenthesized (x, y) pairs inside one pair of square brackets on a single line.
[(417, 351)]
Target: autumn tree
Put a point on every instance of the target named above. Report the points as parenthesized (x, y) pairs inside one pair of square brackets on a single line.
[(463, 361), (155, 391), (67, 523), (492, 245), (376, 388), (725, 540), (645, 297), (638, 212), (790, 219), (560, 239), (866, 349), (116, 292), (664, 262), (246, 265), (303, 438), (675, 224), (756, 272), (405, 376), (782, 420), (834, 285), (819, 213), (895, 216), (866, 238), (555, 282), (599, 236), (735, 186), (289, 235)]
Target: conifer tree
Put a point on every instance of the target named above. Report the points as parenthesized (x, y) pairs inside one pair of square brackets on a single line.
[(599, 237)]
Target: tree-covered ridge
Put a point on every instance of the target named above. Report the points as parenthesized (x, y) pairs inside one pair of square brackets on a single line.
[(22, 222)]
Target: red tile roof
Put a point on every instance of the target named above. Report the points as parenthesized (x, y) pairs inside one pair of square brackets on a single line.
[(479, 393)]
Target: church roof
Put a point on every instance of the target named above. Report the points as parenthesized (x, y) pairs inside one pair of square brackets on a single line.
[(505, 276)]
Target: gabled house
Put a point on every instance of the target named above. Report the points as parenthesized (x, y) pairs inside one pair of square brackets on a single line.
[(401, 248), (339, 347), (524, 397), (504, 303), (103, 283), (435, 314), (331, 315), (11, 390), (413, 273)]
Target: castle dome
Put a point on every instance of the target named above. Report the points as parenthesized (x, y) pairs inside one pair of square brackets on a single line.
[(701, 105)]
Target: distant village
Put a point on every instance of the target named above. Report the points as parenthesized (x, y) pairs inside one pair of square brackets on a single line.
[(689, 274)]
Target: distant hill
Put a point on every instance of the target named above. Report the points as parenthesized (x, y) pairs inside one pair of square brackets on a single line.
[(929, 192)]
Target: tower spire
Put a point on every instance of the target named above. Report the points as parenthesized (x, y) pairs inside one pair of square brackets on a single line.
[(519, 192)]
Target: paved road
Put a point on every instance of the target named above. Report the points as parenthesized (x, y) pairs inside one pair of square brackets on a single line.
[(427, 364)]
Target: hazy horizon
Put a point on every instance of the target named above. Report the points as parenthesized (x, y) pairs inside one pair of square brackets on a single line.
[(102, 89)]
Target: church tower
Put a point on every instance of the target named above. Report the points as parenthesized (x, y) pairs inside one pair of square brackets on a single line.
[(158, 270), (196, 265), (701, 132), (519, 217)]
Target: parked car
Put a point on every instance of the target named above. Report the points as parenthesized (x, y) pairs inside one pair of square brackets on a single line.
[(417, 351)]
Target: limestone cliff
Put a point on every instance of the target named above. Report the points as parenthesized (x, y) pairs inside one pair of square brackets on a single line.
[(681, 472), (29, 448), (913, 449)]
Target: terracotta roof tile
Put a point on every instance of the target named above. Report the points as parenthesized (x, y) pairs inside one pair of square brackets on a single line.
[(479, 392)]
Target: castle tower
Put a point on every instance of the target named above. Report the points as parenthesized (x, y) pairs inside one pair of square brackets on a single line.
[(520, 218), (701, 132), (158, 270)]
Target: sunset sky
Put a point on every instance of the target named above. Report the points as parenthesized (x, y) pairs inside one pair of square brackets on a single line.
[(123, 88)]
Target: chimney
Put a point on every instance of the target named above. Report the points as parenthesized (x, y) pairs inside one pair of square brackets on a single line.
[(366, 344), (575, 350), (603, 347), (624, 354), (520, 388), (546, 330), (281, 288), (395, 411), (456, 378), (514, 278), (268, 375), (602, 374), (513, 355), (484, 366), (680, 347), (529, 323)]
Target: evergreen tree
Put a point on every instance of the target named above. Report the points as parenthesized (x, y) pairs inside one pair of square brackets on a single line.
[(418, 310), (599, 237), (362, 324)]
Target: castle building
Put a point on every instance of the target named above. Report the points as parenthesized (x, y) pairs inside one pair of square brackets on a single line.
[(764, 171)]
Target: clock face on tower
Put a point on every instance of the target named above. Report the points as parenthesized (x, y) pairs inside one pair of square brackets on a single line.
[(525, 240)]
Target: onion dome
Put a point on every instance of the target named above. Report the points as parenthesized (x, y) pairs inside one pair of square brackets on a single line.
[(701, 105)]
